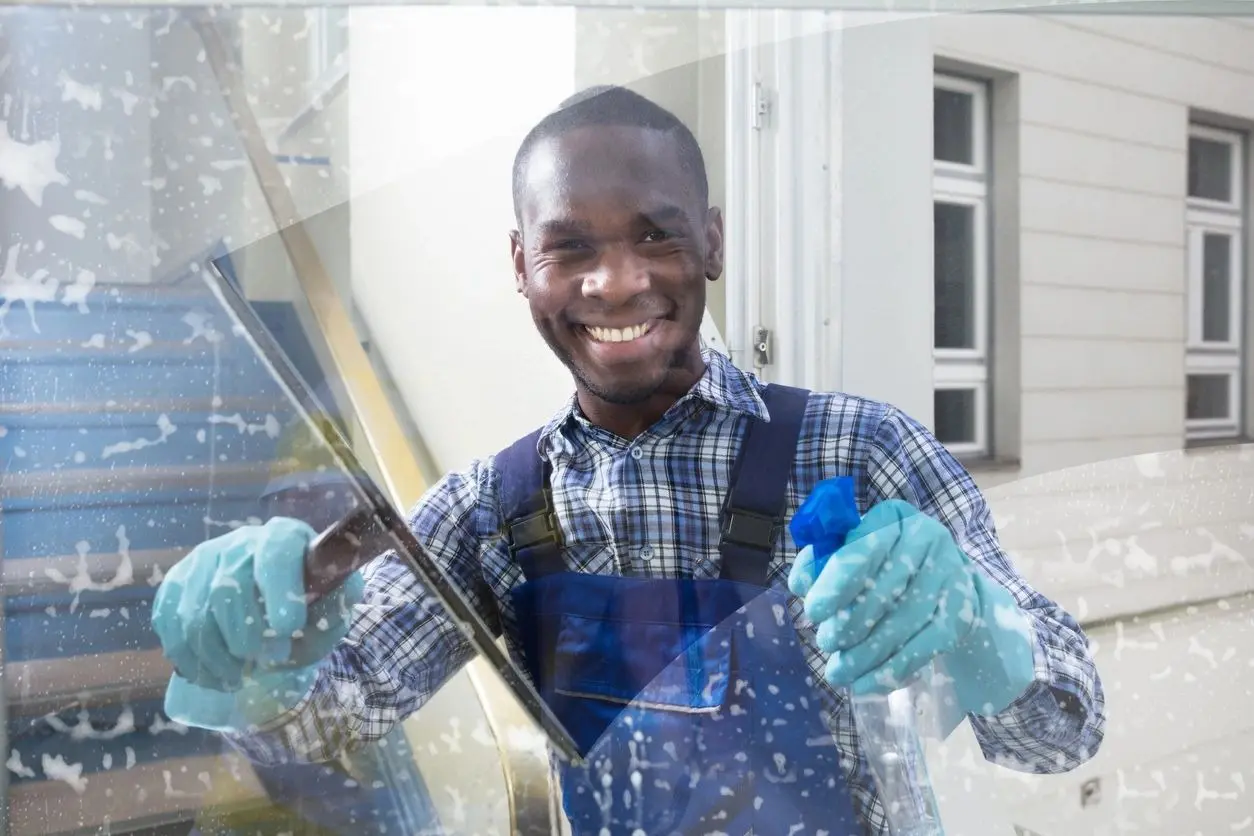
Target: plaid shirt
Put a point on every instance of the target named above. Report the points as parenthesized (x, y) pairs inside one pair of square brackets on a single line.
[(653, 504)]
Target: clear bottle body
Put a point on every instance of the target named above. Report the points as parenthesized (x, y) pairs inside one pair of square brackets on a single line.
[(886, 729)]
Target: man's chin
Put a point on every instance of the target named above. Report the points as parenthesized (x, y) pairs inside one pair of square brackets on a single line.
[(622, 393)]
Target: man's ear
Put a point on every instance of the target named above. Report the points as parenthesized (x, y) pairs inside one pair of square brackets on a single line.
[(714, 244), (519, 257)]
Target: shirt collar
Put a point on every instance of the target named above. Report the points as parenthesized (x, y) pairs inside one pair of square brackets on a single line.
[(723, 387)]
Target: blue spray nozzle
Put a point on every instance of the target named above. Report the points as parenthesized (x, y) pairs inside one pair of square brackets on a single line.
[(825, 518)]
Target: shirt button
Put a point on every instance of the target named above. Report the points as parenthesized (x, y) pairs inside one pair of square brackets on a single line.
[(637, 453), (646, 553)]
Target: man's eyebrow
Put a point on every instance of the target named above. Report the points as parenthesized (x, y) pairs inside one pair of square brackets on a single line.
[(560, 227), (664, 214)]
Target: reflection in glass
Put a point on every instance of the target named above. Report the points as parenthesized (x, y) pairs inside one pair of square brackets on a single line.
[(1210, 169), (1216, 287), (1209, 397), (955, 274), (952, 137), (955, 415), (135, 424)]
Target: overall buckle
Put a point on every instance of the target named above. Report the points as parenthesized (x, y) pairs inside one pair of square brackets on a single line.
[(750, 529), (535, 529)]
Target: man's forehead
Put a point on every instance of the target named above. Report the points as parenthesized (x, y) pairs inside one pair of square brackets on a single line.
[(607, 163)]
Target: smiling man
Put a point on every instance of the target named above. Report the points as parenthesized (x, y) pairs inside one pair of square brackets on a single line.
[(635, 553)]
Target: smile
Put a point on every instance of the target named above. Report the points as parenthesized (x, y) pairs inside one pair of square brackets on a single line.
[(619, 335)]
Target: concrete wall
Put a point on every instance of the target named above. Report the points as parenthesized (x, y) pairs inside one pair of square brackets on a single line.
[(1104, 107)]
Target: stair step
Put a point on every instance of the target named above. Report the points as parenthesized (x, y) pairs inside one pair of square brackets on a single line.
[(161, 790), (81, 412), (106, 486), (38, 686), (60, 376), (163, 312), (51, 440), (165, 515), (70, 627), (110, 738), (40, 575)]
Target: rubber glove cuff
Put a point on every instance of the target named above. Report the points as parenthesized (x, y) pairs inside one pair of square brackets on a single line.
[(262, 699), (278, 682), (994, 665)]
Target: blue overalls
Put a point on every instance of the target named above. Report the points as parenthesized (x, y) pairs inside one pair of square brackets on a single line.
[(691, 699)]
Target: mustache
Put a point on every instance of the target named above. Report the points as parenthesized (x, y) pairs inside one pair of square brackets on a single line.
[(637, 309)]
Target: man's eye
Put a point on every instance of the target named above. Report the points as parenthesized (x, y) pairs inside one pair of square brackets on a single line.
[(655, 236), (569, 245)]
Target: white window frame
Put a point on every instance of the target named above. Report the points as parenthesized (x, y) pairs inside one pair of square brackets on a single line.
[(322, 61), (979, 130), (967, 185), (1236, 142), (783, 129), (1204, 216)]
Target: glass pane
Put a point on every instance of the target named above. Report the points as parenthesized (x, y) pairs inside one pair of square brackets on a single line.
[(137, 423), (1210, 169), (953, 129), (1209, 397), (955, 414), (955, 255), (1217, 287)]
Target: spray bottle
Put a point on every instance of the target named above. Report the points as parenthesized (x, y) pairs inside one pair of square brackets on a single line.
[(885, 722)]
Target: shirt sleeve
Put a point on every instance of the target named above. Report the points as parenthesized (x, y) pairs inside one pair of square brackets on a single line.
[(1058, 722), (402, 645)]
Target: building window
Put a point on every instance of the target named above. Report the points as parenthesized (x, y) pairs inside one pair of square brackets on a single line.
[(1216, 226), (961, 273), (328, 41)]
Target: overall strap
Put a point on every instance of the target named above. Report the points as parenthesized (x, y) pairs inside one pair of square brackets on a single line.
[(753, 514), (535, 541)]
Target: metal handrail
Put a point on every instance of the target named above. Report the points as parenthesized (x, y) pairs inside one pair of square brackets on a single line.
[(527, 777)]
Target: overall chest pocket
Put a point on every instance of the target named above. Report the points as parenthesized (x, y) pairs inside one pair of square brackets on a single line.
[(661, 665), (634, 646)]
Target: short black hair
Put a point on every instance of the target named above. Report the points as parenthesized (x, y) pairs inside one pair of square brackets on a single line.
[(609, 104)]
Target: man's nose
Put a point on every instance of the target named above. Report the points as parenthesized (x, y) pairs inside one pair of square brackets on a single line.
[(619, 275)]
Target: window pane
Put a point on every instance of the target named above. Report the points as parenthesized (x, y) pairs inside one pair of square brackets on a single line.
[(954, 229), (953, 128), (955, 415), (1210, 169), (1217, 287), (1209, 397)]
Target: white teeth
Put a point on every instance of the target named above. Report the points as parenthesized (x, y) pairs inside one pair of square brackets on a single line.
[(619, 335)]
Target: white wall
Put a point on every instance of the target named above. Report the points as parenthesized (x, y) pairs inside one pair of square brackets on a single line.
[(885, 213), (1104, 110), (432, 208)]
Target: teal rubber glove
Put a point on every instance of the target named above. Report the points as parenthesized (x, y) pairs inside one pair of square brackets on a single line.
[(900, 593), (232, 619)]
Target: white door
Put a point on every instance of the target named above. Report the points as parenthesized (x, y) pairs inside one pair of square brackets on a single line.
[(782, 170)]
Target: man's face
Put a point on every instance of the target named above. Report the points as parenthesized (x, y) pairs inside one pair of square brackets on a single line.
[(615, 248)]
